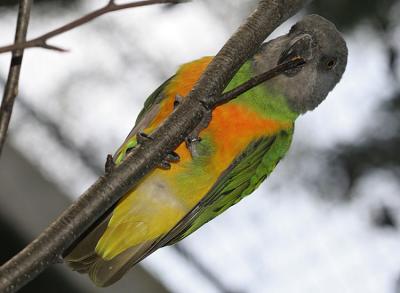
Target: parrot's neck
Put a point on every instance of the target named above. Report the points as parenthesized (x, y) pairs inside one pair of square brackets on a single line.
[(265, 102)]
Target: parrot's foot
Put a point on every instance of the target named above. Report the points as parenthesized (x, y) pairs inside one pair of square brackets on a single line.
[(194, 138), (110, 165), (172, 157), (178, 100)]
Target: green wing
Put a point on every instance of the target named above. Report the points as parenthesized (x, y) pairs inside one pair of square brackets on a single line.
[(243, 176), (155, 98), (149, 111)]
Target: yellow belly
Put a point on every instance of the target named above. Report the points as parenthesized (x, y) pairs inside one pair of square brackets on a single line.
[(157, 204), (145, 213)]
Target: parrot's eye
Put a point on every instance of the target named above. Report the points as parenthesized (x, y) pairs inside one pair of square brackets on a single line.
[(330, 63)]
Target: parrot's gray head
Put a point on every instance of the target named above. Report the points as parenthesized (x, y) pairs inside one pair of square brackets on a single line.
[(320, 44)]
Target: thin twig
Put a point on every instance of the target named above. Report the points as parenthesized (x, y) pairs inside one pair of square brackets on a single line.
[(111, 6), (48, 247), (11, 88), (255, 81)]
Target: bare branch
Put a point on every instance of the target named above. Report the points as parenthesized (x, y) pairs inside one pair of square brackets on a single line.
[(52, 47), (255, 81), (11, 87), (20, 44), (111, 6), (49, 247)]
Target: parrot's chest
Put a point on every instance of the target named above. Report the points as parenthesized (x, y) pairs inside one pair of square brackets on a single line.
[(231, 130)]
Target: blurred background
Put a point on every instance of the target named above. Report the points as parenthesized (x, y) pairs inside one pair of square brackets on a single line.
[(327, 220)]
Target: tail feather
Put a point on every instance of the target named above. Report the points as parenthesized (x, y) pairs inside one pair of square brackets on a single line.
[(106, 272), (84, 259), (83, 251), (83, 255)]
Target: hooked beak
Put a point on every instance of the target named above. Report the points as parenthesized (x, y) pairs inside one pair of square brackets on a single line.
[(299, 47)]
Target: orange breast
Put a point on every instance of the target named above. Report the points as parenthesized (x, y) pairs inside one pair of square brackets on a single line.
[(181, 85), (234, 126)]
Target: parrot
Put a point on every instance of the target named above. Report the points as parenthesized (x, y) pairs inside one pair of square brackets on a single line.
[(222, 161)]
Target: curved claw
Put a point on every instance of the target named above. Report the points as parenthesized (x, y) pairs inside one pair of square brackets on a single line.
[(142, 137), (128, 150), (172, 157), (191, 140), (164, 165)]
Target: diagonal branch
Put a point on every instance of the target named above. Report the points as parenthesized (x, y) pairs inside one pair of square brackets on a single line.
[(111, 6), (49, 247), (259, 79), (11, 88)]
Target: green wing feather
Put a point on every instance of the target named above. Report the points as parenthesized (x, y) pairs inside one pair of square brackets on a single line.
[(155, 98), (243, 176), (82, 257), (150, 109)]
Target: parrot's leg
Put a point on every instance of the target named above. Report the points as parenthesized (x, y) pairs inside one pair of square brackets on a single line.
[(171, 157), (194, 138), (191, 144)]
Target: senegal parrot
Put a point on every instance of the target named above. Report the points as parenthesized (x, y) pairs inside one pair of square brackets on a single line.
[(220, 163)]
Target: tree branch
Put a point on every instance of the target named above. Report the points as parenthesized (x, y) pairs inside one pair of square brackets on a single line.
[(48, 248), (255, 81), (111, 6), (85, 155), (11, 88), (20, 44)]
